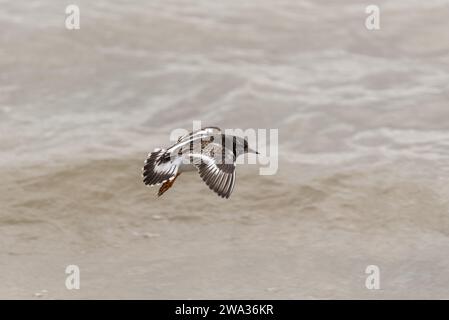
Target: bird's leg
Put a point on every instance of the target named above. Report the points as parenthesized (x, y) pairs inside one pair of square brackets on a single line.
[(167, 185)]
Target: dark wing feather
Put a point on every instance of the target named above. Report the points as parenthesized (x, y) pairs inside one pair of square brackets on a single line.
[(216, 166)]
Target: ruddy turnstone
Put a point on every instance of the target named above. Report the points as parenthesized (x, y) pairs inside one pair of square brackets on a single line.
[(207, 150)]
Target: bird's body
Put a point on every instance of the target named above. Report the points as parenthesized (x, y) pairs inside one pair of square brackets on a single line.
[(207, 150)]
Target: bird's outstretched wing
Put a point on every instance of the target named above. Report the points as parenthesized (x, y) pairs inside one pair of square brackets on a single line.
[(216, 166), (202, 131), (159, 167)]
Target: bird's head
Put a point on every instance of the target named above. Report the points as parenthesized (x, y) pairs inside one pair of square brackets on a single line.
[(247, 149), (242, 146)]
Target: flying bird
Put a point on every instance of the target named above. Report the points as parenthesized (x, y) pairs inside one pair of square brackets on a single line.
[(208, 150)]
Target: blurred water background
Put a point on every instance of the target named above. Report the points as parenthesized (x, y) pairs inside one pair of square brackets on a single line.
[(363, 122)]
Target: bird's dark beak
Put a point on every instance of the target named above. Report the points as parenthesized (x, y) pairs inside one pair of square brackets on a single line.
[(257, 152), (249, 150)]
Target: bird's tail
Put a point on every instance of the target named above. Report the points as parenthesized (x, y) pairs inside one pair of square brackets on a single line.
[(156, 170)]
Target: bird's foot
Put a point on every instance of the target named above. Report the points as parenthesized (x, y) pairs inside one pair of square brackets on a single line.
[(167, 185)]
